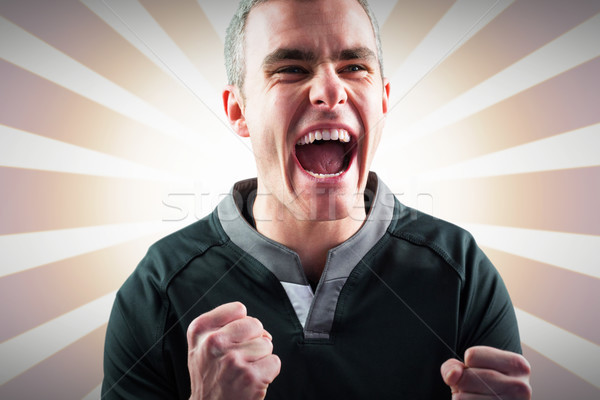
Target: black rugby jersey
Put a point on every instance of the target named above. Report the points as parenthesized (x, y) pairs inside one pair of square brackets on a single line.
[(396, 300)]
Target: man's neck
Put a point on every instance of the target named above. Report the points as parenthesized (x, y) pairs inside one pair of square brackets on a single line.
[(310, 239)]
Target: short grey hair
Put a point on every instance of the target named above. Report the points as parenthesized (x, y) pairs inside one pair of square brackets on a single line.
[(235, 63)]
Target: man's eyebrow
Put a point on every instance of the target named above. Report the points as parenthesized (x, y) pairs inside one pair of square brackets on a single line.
[(357, 53), (284, 54), (288, 54)]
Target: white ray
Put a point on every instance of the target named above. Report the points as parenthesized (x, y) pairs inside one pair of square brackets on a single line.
[(570, 251), (463, 20), (23, 49), (136, 24), (94, 394), (382, 10), (574, 149), (22, 149), (219, 13), (574, 48), (37, 344), (23, 251), (105, 14), (570, 351)]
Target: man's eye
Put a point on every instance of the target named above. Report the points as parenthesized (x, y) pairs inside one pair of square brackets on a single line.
[(353, 68), (291, 70)]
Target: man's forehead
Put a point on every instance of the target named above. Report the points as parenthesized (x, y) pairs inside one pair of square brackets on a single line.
[(310, 27)]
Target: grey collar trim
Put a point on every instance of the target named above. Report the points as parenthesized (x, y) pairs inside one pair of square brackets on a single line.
[(316, 312)]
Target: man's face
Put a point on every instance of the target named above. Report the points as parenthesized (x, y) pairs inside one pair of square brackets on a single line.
[(312, 72)]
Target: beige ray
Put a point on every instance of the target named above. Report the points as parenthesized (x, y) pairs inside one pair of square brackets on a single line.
[(564, 103), (44, 201), (65, 71), (52, 246), (559, 200), (408, 23), (571, 351), (21, 149), (35, 345), (551, 381), (85, 37), (576, 149), (568, 51), (96, 273), (518, 31), (69, 373), (185, 22), (572, 252), (550, 292), (462, 20)]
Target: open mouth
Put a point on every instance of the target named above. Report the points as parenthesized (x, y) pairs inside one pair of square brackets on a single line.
[(325, 153)]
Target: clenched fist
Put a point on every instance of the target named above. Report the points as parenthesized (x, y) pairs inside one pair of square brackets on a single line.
[(488, 373), (230, 355)]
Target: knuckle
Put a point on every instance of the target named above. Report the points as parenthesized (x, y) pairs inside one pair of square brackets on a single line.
[(257, 324), (520, 365), (215, 343), (238, 304), (233, 361), (521, 390), (249, 376), (276, 365), (272, 368), (276, 359), (238, 307), (261, 393), (194, 329), (481, 375), (191, 334), (268, 345), (250, 325), (469, 356), (241, 371), (488, 375)]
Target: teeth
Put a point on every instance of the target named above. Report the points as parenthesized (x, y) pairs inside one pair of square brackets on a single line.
[(325, 134), (325, 175)]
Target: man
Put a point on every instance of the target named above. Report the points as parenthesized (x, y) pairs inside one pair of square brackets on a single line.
[(312, 282)]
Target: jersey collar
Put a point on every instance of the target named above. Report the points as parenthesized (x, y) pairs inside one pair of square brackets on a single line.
[(315, 311)]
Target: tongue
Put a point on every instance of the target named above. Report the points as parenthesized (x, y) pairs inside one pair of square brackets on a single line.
[(323, 158)]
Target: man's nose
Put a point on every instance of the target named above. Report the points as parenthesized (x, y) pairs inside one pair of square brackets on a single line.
[(327, 89)]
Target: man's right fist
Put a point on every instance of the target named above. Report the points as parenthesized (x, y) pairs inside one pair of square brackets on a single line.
[(230, 355)]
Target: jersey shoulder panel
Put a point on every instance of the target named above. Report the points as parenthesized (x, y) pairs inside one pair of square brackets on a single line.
[(486, 315), (451, 242), (144, 291), (168, 255)]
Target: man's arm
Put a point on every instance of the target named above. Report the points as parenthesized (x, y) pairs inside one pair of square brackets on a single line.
[(492, 367), (133, 367)]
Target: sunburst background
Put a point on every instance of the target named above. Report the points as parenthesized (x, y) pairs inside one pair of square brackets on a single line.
[(112, 136)]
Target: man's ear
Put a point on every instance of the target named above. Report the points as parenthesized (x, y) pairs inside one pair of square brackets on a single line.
[(386, 95), (234, 109)]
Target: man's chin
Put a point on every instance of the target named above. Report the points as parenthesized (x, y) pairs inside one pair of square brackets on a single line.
[(328, 204), (327, 199)]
